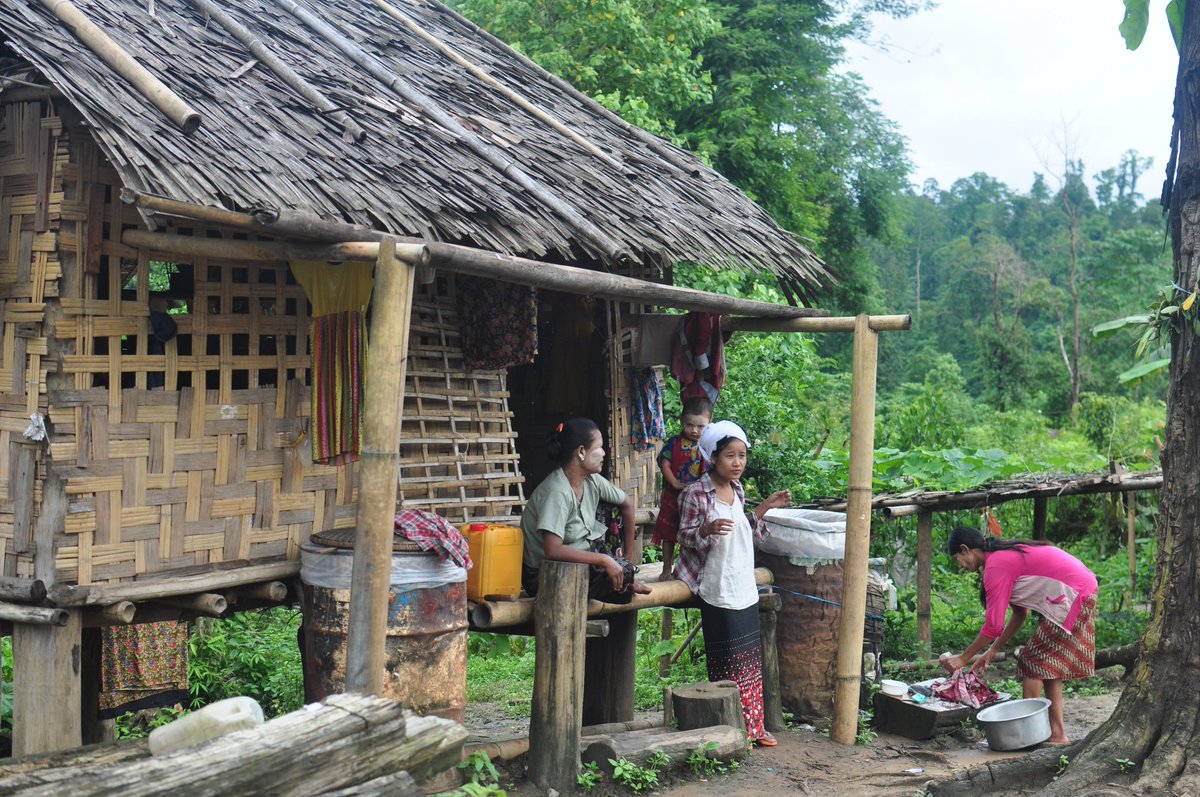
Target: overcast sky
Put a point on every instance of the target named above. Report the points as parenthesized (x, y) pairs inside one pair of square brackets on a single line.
[(991, 85)]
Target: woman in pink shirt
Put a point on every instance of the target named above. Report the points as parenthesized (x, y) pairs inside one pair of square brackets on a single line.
[(1025, 575)]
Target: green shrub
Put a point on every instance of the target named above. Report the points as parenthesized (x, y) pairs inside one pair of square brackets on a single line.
[(255, 654)]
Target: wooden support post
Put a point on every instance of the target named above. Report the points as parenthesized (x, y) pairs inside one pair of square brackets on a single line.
[(668, 631), (379, 469), (1040, 505), (46, 686), (20, 487), (924, 584), (610, 671), (858, 534), (1131, 503), (768, 616), (556, 714)]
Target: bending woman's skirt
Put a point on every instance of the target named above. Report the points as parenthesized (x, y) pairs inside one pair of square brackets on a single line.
[(733, 649), (1053, 654)]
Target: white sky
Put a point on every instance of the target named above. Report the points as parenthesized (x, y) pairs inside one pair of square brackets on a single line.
[(991, 85)]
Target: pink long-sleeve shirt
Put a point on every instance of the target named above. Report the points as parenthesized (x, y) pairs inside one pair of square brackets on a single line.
[(1041, 578)]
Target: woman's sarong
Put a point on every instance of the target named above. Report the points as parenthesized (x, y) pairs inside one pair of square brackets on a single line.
[(733, 648), (1053, 654)]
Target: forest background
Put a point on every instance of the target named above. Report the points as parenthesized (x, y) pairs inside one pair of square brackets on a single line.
[(1039, 312)]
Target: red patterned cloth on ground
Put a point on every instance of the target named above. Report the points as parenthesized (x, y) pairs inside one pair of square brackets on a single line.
[(143, 666), (1053, 654), (965, 687), (733, 652), (434, 533)]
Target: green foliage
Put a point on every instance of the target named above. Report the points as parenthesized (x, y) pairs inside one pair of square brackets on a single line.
[(504, 674), (636, 778), (1121, 429), (704, 764), (589, 776), (6, 686), (1126, 765), (135, 725), (253, 654), (479, 769)]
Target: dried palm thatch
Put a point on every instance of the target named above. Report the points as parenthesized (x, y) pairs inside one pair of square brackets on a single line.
[(465, 140)]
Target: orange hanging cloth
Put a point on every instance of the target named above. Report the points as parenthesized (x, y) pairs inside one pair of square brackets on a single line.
[(993, 525)]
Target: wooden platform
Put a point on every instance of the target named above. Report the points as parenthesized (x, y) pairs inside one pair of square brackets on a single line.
[(904, 717)]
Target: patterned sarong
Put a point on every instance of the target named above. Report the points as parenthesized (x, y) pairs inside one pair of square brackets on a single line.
[(1053, 654), (143, 666), (337, 386), (733, 649)]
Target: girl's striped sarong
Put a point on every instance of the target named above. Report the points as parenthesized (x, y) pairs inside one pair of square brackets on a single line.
[(1052, 653), (337, 386), (733, 650)]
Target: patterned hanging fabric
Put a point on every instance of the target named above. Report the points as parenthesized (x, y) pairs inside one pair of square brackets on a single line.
[(143, 666), (497, 322), (647, 427)]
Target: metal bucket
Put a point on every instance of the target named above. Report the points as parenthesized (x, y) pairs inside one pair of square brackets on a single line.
[(426, 653), (1016, 724)]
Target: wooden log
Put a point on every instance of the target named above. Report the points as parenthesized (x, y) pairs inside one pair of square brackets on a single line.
[(168, 102), (383, 407), (554, 720), (22, 590), (508, 749), (1124, 655), (271, 251), (720, 742), (121, 613), (209, 603), (848, 681), (704, 704), (610, 670), (877, 323), (47, 701), (346, 741), (32, 615), (1040, 511), (925, 584), (229, 575), (768, 615), (396, 784)]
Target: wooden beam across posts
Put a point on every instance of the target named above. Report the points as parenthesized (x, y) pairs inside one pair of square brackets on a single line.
[(379, 470), (557, 709), (858, 534), (878, 323), (260, 251), (47, 696), (924, 584)]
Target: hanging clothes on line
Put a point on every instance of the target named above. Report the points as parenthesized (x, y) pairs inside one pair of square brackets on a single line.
[(339, 295), (647, 426), (698, 356), (143, 666)]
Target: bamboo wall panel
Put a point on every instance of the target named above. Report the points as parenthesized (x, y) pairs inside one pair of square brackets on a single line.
[(33, 150), (635, 471)]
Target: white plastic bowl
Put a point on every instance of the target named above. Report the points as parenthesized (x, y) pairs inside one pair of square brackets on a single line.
[(893, 688)]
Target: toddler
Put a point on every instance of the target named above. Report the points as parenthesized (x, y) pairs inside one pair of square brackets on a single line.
[(681, 464)]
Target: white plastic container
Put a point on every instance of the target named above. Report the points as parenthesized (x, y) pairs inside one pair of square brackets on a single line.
[(215, 719)]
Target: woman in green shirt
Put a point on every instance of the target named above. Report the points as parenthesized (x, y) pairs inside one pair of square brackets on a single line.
[(559, 521)]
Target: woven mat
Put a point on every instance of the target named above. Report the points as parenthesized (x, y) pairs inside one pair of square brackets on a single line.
[(344, 538)]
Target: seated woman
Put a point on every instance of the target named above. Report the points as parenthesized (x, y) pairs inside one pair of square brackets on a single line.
[(559, 521)]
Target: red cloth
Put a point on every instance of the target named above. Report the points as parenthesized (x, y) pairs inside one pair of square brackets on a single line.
[(965, 686), (698, 356), (434, 533)]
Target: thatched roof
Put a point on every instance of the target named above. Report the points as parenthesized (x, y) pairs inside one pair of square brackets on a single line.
[(263, 144)]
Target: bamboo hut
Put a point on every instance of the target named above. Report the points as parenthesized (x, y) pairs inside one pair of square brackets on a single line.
[(186, 156)]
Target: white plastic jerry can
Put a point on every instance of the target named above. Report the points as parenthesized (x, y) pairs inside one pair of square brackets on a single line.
[(215, 719)]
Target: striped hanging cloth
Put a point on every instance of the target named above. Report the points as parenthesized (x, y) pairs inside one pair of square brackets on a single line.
[(339, 352)]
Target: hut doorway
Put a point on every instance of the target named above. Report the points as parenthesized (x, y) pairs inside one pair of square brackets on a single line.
[(567, 378)]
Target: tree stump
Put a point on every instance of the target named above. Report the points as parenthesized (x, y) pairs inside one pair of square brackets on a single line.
[(727, 742), (706, 704)]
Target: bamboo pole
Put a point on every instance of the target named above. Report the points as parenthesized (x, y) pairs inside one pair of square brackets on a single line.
[(858, 535), (379, 469), (259, 250), (273, 591), (878, 323), (591, 235), (32, 615), (209, 603), (118, 613), (100, 43), (284, 72), (153, 589), (517, 99), (924, 583), (22, 590), (486, 615), (1132, 542)]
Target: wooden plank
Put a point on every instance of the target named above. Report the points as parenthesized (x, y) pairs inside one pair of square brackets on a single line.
[(46, 686), (21, 492)]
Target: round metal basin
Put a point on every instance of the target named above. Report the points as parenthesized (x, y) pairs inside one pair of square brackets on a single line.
[(1016, 723)]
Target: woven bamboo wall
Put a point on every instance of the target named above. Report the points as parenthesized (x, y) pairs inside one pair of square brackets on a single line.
[(198, 453), (633, 470), (32, 153)]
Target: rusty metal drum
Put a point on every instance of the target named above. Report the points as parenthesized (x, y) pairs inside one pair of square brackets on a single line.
[(426, 658)]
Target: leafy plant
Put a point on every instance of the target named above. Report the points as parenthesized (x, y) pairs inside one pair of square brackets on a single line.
[(704, 764), (252, 654), (479, 769), (137, 724), (589, 776), (636, 778), (1126, 765)]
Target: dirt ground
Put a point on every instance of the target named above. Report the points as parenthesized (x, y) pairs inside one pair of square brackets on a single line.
[(808, 763)]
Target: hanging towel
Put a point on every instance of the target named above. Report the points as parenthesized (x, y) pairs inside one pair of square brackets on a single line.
[(497, 323), (647, 426), (339, 295)]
